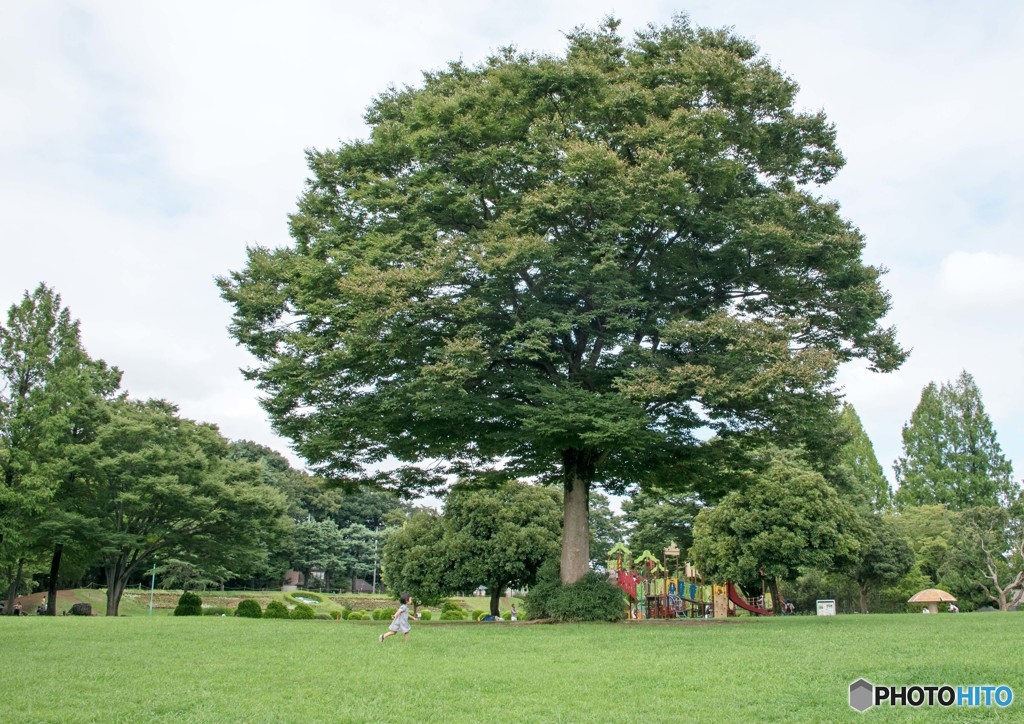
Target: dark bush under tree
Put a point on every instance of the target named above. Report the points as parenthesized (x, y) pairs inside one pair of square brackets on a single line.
[(189, 605)]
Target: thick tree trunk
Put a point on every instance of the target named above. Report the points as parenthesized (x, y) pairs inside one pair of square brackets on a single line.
[(496, 600), (773, 586), (117, 578), (863, 597), (115, 589), (578, 472), (12, 589), (51, 593)]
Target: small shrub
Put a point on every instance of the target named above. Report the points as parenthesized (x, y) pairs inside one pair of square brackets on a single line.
[(249, 608), (425, 615), (218, 611), (323, 617), (377, 614), (387, 613), (453, 615), (275, 609), (345, 611), (336, 615), (592, 598), (450, 606), (189, 605), (477, 614), (303, 611)]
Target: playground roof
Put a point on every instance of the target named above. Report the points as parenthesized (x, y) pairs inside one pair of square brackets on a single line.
[(932, 595)]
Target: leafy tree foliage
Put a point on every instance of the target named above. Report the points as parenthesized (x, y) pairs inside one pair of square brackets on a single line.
[(885, 556), (318, 545), (166, 486), (930, 531), (310, 497), (950, 453), (860, 477), (500, 538), (564, 262), (659, 519), (606, 528), (50, 404), (988, 554), (412, 559), (789, 518), (492, 538)]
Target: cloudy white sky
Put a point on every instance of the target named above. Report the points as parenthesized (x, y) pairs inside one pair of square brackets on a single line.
[(143, 145)]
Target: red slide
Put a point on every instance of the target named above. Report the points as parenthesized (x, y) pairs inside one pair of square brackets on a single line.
[(739, 601)]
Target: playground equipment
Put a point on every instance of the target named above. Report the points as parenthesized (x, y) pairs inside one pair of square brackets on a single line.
[(669, 588), (658, 589)]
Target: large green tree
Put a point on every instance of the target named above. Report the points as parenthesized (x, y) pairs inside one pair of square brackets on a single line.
[(412, 558), (885, 556), (563, 264), (493, 538), (785, 519), (950, 453), (51, 403), (167, 487)]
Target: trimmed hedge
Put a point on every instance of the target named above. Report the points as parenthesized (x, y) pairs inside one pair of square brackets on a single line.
[(453, 615), (477, 614), (426, 615), (189, 605), (303, 611), (249, 608), (275, 609)]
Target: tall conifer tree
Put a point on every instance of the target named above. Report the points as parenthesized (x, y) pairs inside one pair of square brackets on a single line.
[(950, 453)]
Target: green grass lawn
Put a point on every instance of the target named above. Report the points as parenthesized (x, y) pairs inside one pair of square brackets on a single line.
[(226, 669)]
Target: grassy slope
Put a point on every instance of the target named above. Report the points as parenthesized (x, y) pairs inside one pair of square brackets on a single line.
[(217, 669)]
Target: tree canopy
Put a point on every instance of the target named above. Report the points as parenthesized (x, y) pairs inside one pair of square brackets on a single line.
[(786, 519), (951, 455), (492, 538), (566, 264)]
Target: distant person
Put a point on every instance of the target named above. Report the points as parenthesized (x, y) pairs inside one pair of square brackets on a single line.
[(514, 614), (400, 621), (953, 608), (925, 610), (788, 608), (17, 608)]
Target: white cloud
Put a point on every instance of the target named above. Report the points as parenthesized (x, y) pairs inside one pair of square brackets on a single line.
[(976, 281)]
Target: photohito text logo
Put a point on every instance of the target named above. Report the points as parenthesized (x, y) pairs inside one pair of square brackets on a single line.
[(864, 695)]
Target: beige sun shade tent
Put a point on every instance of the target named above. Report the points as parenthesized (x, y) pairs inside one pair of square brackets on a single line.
[(932, 597)]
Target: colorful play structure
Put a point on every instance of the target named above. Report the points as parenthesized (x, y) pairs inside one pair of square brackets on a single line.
[(671, 588)]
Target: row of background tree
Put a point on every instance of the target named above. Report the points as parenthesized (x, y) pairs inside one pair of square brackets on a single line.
[(98, 487)]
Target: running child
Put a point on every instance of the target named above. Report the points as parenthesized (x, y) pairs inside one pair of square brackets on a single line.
[(400, 621)]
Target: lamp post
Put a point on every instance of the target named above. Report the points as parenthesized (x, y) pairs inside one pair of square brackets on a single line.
[(152, 586), (376, 533)]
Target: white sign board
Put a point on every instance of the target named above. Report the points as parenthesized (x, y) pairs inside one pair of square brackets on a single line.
[(826, 607)]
